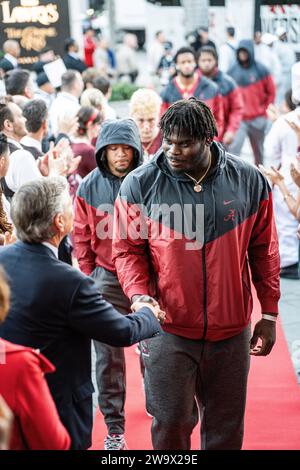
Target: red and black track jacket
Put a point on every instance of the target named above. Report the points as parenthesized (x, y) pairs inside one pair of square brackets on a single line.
[(94, 203), (232, 102), (205, 291), (205, 90), (255, 82)]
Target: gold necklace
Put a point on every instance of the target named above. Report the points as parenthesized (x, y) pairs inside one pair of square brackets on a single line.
[(198, 187)]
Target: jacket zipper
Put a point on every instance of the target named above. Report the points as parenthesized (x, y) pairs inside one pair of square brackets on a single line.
[(204, 278), (204, 292)]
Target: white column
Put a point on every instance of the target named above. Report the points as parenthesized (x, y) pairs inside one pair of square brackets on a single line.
[(111, 8), (77, 12), (244, 23), (196, 12), (171, 20)]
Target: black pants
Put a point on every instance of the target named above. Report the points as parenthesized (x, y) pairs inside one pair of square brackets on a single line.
[(110, 364), (183, 376)]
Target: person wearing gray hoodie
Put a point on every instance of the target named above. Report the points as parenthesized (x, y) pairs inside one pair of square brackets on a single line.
[(118, 152)]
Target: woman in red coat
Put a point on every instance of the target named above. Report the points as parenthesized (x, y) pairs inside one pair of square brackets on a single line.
[(37, 425)]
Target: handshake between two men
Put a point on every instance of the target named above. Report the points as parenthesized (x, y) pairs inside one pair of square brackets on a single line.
[(140, 301)]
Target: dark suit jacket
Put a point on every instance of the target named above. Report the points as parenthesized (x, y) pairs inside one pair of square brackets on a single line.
[(6, 65), (74, 64), (57, 309), (38, 67)]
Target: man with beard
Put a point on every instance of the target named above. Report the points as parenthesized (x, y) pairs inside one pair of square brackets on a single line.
[(190, 82), (196, 264), (118, 152), (232, 98), (258, 92)]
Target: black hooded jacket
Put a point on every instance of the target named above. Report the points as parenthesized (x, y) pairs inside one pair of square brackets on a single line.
[(255, 83), (94, 204)]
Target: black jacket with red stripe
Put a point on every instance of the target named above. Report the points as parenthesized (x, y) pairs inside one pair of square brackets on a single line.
[(205, 290), (255, 83)]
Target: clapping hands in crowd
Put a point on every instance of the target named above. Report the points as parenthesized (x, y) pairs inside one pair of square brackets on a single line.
[(59, 160)]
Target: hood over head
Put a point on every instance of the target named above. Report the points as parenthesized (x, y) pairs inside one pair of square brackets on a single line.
[(248, 45), (119, 131)]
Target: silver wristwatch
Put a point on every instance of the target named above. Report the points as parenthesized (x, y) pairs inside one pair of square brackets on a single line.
[(145, 298)]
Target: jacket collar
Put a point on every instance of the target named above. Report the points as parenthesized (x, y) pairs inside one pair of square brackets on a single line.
[(37, 248)]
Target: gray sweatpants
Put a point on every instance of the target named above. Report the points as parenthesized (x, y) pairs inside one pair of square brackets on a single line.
[(183, 375), (110, 363), (256, 131)]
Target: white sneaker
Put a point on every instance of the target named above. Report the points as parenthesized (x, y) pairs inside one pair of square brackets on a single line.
[(115, 442)]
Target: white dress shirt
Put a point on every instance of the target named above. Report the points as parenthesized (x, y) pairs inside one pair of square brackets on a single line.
[(52, 248), (65, 105), (12, 60), (42, 95), (30, 142), (227, 56), (22, 168), (280, 149)]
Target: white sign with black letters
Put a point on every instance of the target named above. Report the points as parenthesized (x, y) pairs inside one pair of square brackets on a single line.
[(287, 16)]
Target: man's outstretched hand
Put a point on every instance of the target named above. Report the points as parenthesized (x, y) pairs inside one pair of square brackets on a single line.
[(140, 301), (266, 331)]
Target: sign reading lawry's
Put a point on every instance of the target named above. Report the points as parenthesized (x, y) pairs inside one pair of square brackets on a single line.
[(287, 16), (35, 24)]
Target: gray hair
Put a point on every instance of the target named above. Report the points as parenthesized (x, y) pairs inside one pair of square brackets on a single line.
[(9, 45), (35, 206), (93, 97)]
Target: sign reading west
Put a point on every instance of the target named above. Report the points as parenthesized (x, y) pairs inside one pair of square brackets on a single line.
[(35, 24)]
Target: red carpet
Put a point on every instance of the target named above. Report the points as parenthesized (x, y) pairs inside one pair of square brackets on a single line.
[(273, 406)]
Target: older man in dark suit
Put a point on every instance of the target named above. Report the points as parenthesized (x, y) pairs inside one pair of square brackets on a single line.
[(57, 309)]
